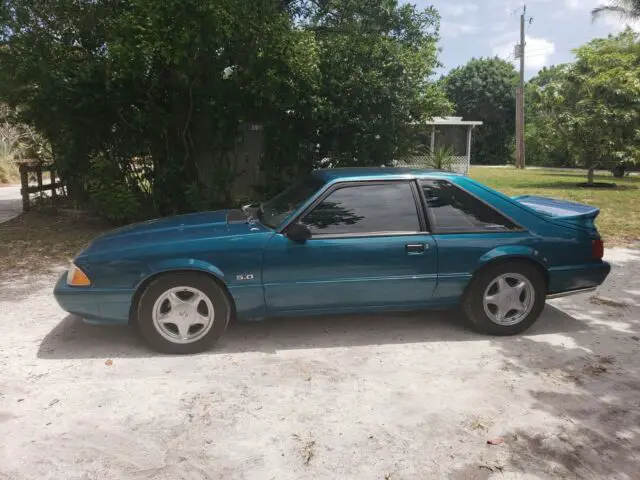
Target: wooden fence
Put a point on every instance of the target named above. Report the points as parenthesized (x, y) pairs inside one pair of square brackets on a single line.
[(28, 173)]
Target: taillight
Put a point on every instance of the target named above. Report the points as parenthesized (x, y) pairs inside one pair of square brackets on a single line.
[(597, 249)]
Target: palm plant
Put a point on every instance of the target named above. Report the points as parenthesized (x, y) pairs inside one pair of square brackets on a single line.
[(441, 159), (627, 9)]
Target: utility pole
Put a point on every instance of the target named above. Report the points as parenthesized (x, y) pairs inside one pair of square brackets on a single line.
[(520, 163)]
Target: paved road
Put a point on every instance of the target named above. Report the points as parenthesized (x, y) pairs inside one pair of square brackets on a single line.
[(10, 202)]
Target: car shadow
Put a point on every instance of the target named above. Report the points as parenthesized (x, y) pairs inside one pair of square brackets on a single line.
[(73, 338)]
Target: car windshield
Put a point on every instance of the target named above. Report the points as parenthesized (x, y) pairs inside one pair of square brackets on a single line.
[(273, 212)]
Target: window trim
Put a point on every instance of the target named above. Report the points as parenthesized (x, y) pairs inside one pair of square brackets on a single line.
[(332, 236), (422, 223), (433, 224)]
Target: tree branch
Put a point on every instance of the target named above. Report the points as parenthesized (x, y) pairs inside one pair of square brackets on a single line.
[(602, 10)]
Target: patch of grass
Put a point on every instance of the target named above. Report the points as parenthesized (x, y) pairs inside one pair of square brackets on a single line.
[(36, 243), (307, 449), (594, 369), (619, 219), (607, 360), (607, 302), (480, 423)]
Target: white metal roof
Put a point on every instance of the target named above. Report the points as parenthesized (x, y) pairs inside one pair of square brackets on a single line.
[(451, 121)]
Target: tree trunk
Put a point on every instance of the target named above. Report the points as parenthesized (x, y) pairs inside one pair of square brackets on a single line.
[(590, 175)]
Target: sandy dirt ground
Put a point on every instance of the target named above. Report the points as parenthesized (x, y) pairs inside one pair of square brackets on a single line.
[(388, 397)]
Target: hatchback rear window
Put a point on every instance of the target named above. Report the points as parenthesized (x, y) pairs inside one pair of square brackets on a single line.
[(452, 210)]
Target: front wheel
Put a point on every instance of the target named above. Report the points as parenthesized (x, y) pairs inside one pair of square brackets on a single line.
[(505, 299), (182, 313)]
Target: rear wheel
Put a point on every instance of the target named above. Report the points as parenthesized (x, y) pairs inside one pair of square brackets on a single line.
[(183, 312), (505, 299)]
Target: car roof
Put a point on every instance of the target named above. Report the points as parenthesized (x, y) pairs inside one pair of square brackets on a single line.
[(379, 173)]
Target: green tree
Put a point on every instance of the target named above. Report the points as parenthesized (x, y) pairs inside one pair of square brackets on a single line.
[(593, 105), (141, 100), (147, 95), (545, 145), (376, 60), (484, 89)]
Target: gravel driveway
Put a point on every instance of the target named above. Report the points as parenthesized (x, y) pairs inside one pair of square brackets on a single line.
[(395, 397), (10, 202)]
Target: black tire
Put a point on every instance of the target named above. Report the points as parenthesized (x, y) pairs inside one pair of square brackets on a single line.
[(215, 293), (473, 306)]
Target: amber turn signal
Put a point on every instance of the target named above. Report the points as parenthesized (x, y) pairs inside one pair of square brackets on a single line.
[(77, 278)]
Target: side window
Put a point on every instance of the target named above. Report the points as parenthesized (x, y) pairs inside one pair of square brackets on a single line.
[(357, 209), (454, 210)]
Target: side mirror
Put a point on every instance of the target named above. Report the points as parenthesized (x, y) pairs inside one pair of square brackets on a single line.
[(250, 208), (298, 233)]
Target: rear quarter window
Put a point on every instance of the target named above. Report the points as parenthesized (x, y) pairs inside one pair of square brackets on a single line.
[(453, 210)]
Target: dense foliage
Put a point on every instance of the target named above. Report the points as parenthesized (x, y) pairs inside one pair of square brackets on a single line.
[(142, 100), (588, 113), (484, 89), (141, 103)]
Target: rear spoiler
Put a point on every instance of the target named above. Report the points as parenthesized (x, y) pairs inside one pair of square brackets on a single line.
[(563, 211)]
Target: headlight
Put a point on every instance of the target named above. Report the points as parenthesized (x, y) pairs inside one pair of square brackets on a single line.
[(76, 277)]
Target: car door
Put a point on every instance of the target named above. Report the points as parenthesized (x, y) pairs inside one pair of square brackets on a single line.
[(368, 250)]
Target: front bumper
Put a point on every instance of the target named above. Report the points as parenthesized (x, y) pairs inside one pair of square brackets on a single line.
[(100, 305), (572, 279)]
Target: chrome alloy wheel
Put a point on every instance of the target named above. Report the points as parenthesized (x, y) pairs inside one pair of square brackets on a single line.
[(508, 299), (183, 314)]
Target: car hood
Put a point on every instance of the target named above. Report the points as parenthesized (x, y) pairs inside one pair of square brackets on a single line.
[(179, 228)]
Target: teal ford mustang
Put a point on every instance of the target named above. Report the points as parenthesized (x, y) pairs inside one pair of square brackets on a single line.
[(340, 240)]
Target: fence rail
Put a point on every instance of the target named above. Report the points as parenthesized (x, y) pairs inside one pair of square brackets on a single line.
[(27, 172)]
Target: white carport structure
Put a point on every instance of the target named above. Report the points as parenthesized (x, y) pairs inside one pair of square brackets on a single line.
[(446, 133), (443, 126)]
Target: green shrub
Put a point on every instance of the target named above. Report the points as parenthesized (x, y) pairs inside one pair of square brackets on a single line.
[(109, 195)]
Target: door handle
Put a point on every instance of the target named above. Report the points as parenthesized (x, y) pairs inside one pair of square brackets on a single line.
[(415, 248)]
